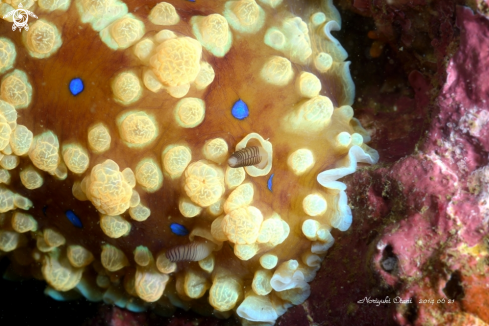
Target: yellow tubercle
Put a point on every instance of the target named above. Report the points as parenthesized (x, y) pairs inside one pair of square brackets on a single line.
[(148, 175), (310, 229), (217, 208), (50, 5), (318, 18), (204, 183), (79, 256), (323, 62), (44, 152), (139, 213), (195, 284), (314, 205), (301, 161), (261, 282), (234, 177), (61, 171), (142, 256), (21, 140), (217, 229), (22, 222), (114, 226), (129, 177), (190, 112), (216, 150), (246, 251), (42, 39), (22, 202), (7, 150), (277, 71), (16, 89), (175, 160), (5, 176), (77, 191), (59, 273), (9, 113), (245, 16), (144, 49), (41, 245), (99, 14), (205, 76), (99, 138), (164, 265), (268, 261), (137, 128), (164, 35), (213, 33), (9, 162), (123, 33), (242, 225), (178, 91), (76, 158), (151, 81), (135, 199), (112, 258), (308, 85), (273, 231), (127, 88), (53, 238), (103, 281), (225, 292), (242, 196), (272, 3), (6, 199), (150, 284), (188, 208), (168, 65), (11, 240), (292, 39), (7, 54), (208, 263), (164, 14), (311, 116), (113, 200)]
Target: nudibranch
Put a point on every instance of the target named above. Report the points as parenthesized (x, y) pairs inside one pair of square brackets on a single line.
[(139, 143)]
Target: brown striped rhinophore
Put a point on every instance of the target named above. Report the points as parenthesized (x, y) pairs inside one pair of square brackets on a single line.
[(246, 157), (193, 251)]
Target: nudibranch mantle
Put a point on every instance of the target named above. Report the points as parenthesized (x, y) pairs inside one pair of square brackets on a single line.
[(188, 110)]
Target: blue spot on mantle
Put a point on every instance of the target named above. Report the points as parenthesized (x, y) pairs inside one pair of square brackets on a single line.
[(76, 86), (75, 220), (270, 182), (240, 110), (178, 229)]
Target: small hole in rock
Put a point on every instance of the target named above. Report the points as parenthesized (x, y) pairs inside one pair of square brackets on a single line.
[(389, 260), (454, 289)]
